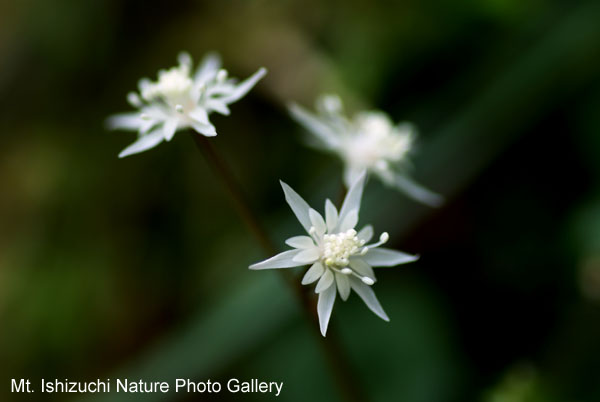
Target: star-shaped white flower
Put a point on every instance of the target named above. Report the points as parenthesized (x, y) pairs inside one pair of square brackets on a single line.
[(369, 140), (339, 256), (179, 100)]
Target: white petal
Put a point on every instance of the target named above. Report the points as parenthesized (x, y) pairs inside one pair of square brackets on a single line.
[(199, 114), (317, 221), (385, 257), (366, 293), (361, 267), (185, 59), (300, 242), (343, 285), (366, 233), (208, 67), (331, 215), (325, 282), (169, 129), (313, 273), (352, 173), (352, 200), (350, 220), (218, 106), (243, 87), (208, 130), (325, 307), (124, 121), (326, 134), (298, 205), (143, 143), (418, 192), (308, 256), (281, 260)]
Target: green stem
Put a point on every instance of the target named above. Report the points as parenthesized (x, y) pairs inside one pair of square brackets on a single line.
[(345, 379)]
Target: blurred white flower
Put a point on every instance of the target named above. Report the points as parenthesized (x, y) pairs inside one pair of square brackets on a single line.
[(339, 257), (179, 100), (367, 141)]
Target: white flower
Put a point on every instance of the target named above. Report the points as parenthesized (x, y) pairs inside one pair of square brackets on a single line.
[(339, 257), (367, 141), (179, 100)]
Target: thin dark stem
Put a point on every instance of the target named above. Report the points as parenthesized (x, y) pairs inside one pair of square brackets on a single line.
[(342, 372)]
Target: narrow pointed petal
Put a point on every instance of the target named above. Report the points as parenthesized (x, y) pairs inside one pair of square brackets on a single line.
[(352, 200), (281, 260), (350, 220), (352, 174), (218, 106), (308, 256), (361, 267), (325, 282), (169, 128), (313, 273), (243, 87), (317, 221), (199, 114), (343, 285), (143, 143), (208, 67), (207, 130), (385, 257), (368, 296), (325, 307), (366, 233), (124, 121), (302, 242), (418, 192), (318, 128), (298, 205), (331, 215)]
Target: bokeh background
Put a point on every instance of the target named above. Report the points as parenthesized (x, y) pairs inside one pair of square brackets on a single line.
[(137, 267)]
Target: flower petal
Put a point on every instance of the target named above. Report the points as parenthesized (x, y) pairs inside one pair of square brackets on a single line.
[(352, 173), (325, 282), (144, 142), (169, 128), (352, 200), (317, 222), (207, 68), (124, 121), (208, 130), (300, 242), (366, 233), (218, 106), (313, 273), (368, 296), (385, 257), (350, 220), (343, 285), (361, 267), (328, 136), (243, 87), (199, 114), (307, 256), (418, 192), (281, 260), (325, 307), (298, 205), (331, 215)]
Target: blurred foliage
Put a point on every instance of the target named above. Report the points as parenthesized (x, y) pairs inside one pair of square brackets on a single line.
[(137, 267)]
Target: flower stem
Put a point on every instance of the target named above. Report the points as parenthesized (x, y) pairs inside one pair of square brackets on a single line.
[(344, 376)]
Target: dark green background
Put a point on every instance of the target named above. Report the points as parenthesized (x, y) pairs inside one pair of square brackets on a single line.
[(137, 267)]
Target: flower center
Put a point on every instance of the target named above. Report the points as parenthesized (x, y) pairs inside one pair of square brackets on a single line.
[(338, 248), (172, 84)]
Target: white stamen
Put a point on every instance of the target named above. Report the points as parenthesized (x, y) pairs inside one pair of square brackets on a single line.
[(367, 281), (144, 116), (346, 271), (222, 75), (179, 108), (384, 237), (339, 247)]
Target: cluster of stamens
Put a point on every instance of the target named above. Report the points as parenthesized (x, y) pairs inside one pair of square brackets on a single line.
[(337, 248), (171, 83)]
